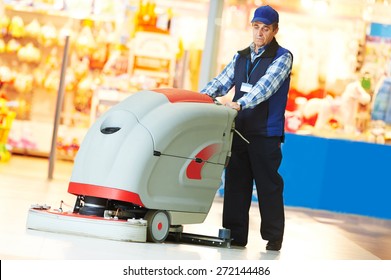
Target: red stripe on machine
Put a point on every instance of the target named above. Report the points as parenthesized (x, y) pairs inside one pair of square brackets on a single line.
[(194, 168), (180, 95), (104, 192)]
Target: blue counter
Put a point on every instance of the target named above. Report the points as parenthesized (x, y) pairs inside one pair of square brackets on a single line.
[(337, 175)]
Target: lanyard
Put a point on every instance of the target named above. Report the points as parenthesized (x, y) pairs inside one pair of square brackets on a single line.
[(252, 70)]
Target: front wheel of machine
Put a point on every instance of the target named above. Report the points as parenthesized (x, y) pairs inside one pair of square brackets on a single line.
[(158, 225)]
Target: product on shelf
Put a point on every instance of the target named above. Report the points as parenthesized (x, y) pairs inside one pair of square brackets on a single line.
[(6, 118), (33, 29), (85, 42), (52, 80), (2, 46), (13, 45), (67, 149), (48, 35), (377, 132), (29, 53), (16, 27), (4, 23), (83, 95), (382, 101), (23, 82), (118, 61), (6, 75), (99, 54)]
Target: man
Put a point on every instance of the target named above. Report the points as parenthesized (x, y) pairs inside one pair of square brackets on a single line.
[(261, 76)]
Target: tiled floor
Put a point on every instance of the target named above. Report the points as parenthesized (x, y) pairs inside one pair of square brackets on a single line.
[(310, 235)]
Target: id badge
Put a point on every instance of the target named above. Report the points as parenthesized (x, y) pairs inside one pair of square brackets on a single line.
[(246, 87)]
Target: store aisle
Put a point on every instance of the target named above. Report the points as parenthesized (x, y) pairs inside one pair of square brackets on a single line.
[(310, 235)]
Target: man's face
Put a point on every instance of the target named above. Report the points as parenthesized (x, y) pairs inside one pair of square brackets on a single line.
[(263, 34)]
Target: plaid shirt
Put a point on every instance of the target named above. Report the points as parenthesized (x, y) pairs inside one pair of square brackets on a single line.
[(266, 86)]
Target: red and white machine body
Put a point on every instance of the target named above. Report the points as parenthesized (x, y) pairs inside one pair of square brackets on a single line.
[(160, 153)]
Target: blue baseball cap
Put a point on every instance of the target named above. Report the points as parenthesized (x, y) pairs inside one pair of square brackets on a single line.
[(266, 15)]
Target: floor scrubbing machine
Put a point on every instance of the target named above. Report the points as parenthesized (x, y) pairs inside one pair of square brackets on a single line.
[(146, 167)]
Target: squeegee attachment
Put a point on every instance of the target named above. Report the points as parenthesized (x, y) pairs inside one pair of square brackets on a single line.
[(69, 223)]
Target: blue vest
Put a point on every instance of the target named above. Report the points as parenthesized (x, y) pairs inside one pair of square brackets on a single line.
[(268, 117)]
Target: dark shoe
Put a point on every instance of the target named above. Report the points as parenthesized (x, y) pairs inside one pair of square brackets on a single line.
[(239, 244), (274, 245)]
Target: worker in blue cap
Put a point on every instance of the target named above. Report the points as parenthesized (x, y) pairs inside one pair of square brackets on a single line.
[(261, 76)]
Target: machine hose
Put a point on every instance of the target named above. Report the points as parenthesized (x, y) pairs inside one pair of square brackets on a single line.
[(241, 136)]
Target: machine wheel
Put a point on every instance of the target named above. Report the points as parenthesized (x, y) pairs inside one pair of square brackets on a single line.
[(158, 225)]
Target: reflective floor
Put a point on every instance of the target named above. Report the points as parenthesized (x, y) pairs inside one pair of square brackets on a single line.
[(309, 235)]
